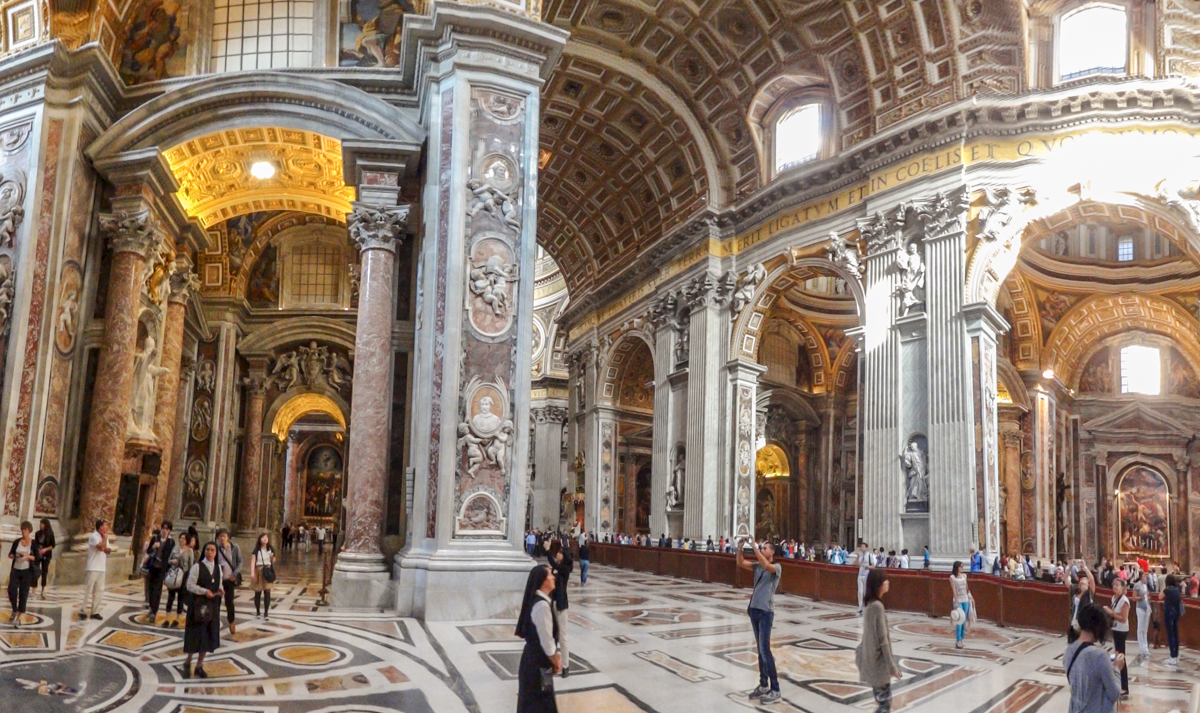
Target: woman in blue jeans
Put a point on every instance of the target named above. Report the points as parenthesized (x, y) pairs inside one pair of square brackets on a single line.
[(962, 600), (1172, 611)]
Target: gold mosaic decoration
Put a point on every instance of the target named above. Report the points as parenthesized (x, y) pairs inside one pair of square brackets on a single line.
[(215, 182)]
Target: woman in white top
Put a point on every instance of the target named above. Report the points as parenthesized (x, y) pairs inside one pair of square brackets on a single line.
[(1119, 611), (1141, 595), (962, 601), (540, 659), (262, 560)]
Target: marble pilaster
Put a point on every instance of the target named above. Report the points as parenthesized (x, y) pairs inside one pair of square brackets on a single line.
[(708, 339), (222, 447), (132, 236), (377, 230), (1045, 495), (167, 396), (661, 440), (183, 422), (743, 381), (548, 421), (1011, 434), (984, 325), (252, 475), (479, 72)]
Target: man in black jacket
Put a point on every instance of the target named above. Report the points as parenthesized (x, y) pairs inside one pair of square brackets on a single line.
[(158, 565), (561, 564)]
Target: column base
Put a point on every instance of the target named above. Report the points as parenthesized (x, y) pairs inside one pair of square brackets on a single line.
[(460, 581), (363, 563), (361, 590)]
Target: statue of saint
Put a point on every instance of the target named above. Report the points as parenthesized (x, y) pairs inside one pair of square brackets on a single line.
[(675, 488), (145, 382), (485, 422), (912, 278), (916, 473)]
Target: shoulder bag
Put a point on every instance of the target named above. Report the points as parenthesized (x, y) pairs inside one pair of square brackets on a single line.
[(203, 610), (174, 578), (268, 570), (237, 575)]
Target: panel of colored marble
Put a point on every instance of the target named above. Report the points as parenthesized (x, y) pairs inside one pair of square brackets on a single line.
[(195, 474)]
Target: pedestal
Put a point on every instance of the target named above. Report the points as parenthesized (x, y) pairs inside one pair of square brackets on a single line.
[(362, 590), (675, 524)]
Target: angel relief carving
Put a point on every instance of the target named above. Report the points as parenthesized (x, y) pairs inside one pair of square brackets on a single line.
[(313, 366), (489, 281), (12, 212), (488, 199)]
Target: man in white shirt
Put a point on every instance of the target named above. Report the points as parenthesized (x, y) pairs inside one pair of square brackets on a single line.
[(903, 559), (97, 567), (865, 565), (320, 532)]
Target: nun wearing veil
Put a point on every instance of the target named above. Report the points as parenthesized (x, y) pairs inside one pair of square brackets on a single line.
[(540, 660)]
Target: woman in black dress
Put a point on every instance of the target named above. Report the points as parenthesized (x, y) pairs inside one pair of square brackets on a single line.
[(540, 660), (203, 632), (45, 542)]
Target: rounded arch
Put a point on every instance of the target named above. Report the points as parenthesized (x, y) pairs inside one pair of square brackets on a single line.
[(814, 346), (242, 100), (618, 359), (991, 261), (1158, 505), (286, 332), (1101, 316), (1026, 328), (797, 408), (771, 461), (782, 275), (301, 401), (280, 226)]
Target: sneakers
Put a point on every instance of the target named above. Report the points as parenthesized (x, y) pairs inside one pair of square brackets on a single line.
[(958, 644), (770, 697), (1172, 662), (758, 692), (97, 617)]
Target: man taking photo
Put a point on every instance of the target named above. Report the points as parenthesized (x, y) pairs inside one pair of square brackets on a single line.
[(767, 574)]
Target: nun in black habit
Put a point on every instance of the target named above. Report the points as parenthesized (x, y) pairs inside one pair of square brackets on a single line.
[(540, 660)]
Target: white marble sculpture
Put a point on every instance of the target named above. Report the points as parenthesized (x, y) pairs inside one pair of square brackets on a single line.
[(489, 280), (911, 288), (916, 473), (844, 255), (145, 383)]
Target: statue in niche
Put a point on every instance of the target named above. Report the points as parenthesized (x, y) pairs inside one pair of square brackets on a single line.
[(912, 279), (65, 323), (487, 198), (914, 460), (145, 382), (746, 287), (490, 282), (675, 487), (1060, 243), (12, 195)]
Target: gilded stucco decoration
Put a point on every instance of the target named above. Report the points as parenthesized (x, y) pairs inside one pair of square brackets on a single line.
[(215, 181)]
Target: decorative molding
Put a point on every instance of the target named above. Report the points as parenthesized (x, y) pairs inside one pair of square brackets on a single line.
[(374, 227)]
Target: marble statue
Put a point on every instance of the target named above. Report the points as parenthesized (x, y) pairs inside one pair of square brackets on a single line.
[(145, 382), (12, 195), (748, 283), (488, 198), (485, 421), (675, 487), (7, 275), (844, 255), (67, 309), (486, 438), (194, 480), (912, 278), (474, 448), (206, 375), (916, 473)]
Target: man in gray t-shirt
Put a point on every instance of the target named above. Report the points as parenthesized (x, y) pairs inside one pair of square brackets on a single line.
[(767, 573)]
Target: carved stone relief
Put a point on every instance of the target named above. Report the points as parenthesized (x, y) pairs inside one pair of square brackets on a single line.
[(313, 366), (746, 285), (66, 318), (491, 279), (12, 212), (911, 289), (206, 375), (844, 254)]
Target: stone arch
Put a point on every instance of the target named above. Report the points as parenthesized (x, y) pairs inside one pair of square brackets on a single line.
[(286, 332), (843, 364), (992, 261), (233, 101), (814, 346), (781, 274), (276, 227), (1101, 316), (1008, 375), (797, 408), (300, 401), (1189, 352), (617, 359)]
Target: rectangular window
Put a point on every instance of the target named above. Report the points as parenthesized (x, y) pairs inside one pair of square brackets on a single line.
[(1125, 249), (262, 34), (1141, 370), (316, 275)]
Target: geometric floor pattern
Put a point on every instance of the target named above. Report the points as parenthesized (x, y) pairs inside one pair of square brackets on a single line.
[(638, 643)]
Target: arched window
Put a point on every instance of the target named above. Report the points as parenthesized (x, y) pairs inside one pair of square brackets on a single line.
[(314, 268), (798, 136), (1141, 370), (1093, 39)]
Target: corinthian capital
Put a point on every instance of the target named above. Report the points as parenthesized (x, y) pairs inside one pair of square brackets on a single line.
[(377, 226), (129, 232), (707, 290)]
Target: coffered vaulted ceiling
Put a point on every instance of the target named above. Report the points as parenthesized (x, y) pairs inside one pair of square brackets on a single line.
[(648, 118)]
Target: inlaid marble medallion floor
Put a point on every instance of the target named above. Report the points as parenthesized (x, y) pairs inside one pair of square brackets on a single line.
[(638, 643)]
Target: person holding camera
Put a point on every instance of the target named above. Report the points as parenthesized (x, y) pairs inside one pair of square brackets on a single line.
[(1091, 673)]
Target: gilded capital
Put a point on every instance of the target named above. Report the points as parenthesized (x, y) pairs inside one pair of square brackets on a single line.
[(377, 226), (130, 232)]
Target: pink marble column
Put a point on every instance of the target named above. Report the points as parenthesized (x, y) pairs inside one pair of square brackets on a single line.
[(376, 230), (131, 237), (167, 396), (248, 503)]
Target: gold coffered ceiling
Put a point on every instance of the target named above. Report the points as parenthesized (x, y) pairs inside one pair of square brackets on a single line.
[(215, 182)]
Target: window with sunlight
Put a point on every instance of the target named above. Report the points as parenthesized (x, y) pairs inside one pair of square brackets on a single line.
[(1141, 370), (1125, 249), (797, 136), (1092, 40)]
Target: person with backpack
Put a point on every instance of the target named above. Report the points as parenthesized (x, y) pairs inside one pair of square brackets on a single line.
[(1172, 613), (157, 564), (177, 594), (1095, 685)]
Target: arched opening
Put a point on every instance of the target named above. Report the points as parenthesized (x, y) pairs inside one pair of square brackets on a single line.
[(632, 396), (772, 473)]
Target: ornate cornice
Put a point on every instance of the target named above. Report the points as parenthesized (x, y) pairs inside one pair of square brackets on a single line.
[(549, 414)]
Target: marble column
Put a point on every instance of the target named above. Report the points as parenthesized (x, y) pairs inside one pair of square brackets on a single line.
[(182, 283), (547, 459), (984, 324), (222, 446), (479, 72), (361, 566), (183, 421), (252, 475), (743, 380), (708, 341), (132, 236), (1045, 495)]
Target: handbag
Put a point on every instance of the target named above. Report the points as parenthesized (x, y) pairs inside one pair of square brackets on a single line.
[(203, 610), (268, 571), (174, 578), (547, 679), (237, 575)]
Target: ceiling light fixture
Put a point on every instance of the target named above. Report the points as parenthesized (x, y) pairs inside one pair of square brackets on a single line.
[(262, 170), (1048, 374)]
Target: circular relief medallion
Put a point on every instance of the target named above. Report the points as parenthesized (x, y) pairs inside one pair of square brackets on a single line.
[(499, 171)]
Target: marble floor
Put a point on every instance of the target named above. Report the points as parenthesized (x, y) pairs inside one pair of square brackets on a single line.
[(638, 643)]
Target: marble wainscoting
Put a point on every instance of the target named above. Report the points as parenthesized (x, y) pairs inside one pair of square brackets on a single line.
[(639, 643)]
